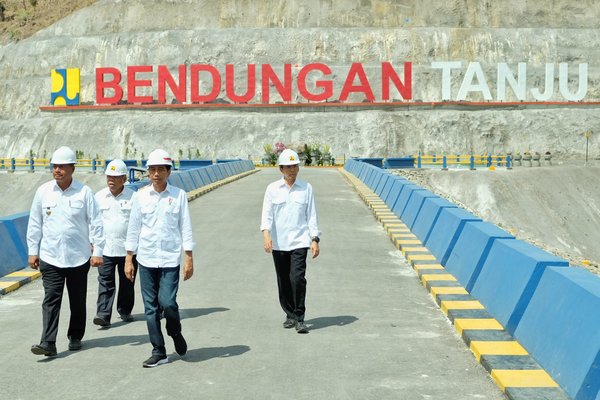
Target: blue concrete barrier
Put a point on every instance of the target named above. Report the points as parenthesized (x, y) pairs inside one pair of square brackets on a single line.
[(404, 197), (176, 180), (395, 191), (192, 164), (211, 173), (472, 249), (508, 278), (382, 181), (428, 216), (414, 205), (446, 231), (561, 329), (13, 253), (399, 162), (375, 161)]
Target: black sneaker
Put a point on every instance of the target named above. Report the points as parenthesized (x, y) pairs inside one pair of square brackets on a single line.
[(74, 344), (301, 327), (155, 361), (48, 349), (101, 321), (289, 323), (180, 344), (126, 317)]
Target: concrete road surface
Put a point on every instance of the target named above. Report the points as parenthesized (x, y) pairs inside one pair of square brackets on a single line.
[(375, 333)]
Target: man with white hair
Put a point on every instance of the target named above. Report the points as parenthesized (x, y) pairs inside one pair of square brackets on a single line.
[(289, 226), (114, 202), (62, 221)]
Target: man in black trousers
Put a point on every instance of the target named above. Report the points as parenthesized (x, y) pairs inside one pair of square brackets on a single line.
[(289, 226), (62, 221)]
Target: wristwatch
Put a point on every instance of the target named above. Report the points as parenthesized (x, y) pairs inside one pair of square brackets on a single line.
[(316, 239)]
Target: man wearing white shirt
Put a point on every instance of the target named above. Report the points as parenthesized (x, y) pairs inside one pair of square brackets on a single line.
[(159, 229), (289, 226), (62, 221), (114, 202)]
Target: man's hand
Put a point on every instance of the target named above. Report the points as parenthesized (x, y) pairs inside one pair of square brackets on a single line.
[(314, 249), (267, 242), (188, 265), (34, 262), (96, 261), (129, 269)]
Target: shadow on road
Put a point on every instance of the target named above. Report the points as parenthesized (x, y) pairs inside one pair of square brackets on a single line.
[(325, 322), (204, 354)]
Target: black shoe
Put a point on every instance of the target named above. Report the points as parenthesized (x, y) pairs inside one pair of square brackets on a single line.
[(74, 344), (155, 361), (48, 350), (126, 317), (180, 344), (289, 323), (101, 321), (301, 327)]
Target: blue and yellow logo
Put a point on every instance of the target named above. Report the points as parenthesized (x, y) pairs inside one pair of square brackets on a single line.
[(65, 87)]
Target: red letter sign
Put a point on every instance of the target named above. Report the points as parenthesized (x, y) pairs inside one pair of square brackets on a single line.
[(327, 86), (133, 83), (388, 73), (230, 83), (178, 90), (356, 69), (113, 84), (195, 70), (284, 90)]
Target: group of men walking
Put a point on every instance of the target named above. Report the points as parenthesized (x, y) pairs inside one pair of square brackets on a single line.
[(125, 233)]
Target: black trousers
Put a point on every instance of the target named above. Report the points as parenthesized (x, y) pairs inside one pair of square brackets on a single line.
[(290, 267), (107, 285), (54, 279)]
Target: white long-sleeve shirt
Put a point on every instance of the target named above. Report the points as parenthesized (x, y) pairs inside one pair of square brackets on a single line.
[(290, 214), (159, 227), (62, 223), (115, 212)]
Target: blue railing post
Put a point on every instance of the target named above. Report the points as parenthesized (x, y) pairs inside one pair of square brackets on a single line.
[(444, 163), (94, 165), (12, 165), (131, 175), (472, 162), (508, 162), (419, 161), (31, 165)]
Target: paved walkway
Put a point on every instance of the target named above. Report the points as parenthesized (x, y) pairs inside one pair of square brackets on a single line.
[(375, 331)]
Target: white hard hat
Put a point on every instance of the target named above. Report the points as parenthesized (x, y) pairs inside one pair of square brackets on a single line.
[(116, 168), (63, 155), (288, 157), (159, 157)]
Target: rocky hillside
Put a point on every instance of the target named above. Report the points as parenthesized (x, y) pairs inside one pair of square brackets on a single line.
[(115, 33)]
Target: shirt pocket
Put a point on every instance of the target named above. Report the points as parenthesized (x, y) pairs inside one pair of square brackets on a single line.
[(125, 207), (173, 214), (76, 207)]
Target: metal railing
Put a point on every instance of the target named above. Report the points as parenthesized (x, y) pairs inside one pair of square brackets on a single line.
[(471, 161), (40, 164)]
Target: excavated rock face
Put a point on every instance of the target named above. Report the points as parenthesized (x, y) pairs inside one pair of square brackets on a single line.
[(472, 41)]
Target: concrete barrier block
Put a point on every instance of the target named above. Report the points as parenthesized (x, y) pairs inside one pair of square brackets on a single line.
[(373, 178), (211, 172), (12, 255), (428, 216), (379, 188), (403, 196), (414, 205), (394, 192), (561, 329), (195, 174), (509, 277), (176, 180), (446, 230), (206, 178), (472, 249)]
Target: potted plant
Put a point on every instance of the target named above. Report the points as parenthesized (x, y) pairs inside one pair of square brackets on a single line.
[(326, 155)]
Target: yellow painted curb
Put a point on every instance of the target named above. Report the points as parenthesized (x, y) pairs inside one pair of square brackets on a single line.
[(447, 290), (460, 324), (447, 305), (503, 348), (523, 378)]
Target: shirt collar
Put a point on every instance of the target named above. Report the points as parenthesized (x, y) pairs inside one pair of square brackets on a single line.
[(75, 185)]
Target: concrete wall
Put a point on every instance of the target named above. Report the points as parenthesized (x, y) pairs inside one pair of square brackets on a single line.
[(119, 33)]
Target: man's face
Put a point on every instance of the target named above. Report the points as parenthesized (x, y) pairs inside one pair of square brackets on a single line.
[(62, 173), (115, 183), (158, 174), (289, 171)]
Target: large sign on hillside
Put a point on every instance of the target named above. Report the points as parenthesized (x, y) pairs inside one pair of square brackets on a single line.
[(317, 83)]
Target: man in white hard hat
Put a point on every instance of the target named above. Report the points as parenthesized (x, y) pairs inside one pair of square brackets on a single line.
[(289, 226), (114, 202), (159, 229), (64, 218)]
